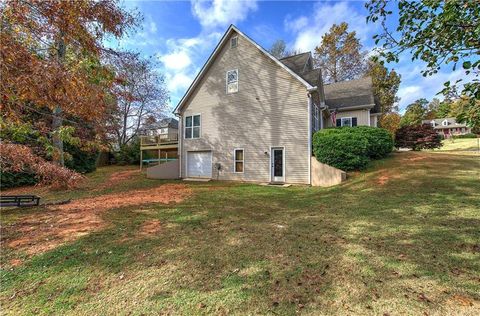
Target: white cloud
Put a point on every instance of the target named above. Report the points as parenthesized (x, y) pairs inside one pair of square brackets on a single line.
[(176, 60), (220, 13), (308, 30), (414, 86)]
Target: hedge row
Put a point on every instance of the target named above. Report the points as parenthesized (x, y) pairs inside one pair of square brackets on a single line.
[(351, 148)]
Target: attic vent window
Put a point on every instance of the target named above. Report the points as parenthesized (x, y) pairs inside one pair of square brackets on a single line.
[(232, 81), (234, 42), (445, 123)]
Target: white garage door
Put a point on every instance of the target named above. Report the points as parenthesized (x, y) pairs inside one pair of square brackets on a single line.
[(199, 164)]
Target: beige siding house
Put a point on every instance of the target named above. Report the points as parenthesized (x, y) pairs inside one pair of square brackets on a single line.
[(250, 117)]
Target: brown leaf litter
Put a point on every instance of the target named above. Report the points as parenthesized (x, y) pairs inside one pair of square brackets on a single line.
[(43, 231)]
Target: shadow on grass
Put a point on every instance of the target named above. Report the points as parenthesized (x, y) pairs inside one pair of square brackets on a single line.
[(234, 248)]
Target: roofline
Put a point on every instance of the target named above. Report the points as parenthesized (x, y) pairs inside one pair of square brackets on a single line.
[(355, 107), (294, 55), (214, 53)]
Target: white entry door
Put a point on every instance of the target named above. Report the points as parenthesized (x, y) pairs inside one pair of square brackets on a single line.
[(199, 164), (277, 162)]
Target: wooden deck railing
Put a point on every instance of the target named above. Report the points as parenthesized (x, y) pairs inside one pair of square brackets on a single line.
[(146, 141)]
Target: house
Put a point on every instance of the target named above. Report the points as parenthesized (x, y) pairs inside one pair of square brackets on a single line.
[(159, 142), (248, 116), (448, 127)]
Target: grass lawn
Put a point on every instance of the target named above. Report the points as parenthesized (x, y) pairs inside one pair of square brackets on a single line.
[(460, 145), (401, 238)]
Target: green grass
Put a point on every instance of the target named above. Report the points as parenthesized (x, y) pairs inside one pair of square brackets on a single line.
[(460, 145), (410, 245)]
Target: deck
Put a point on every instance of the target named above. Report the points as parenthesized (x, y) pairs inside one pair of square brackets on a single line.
[(158, 142)]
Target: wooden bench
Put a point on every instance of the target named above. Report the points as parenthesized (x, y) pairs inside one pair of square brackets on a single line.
[(19, 200)]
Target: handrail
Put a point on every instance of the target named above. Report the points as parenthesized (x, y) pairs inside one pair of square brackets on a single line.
[(158, 139)]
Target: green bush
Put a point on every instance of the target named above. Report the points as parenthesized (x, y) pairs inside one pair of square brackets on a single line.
[(469, 135), (380, 141), (351, 148), (129, 154), (16, 179), (341, 150), (82, 161)]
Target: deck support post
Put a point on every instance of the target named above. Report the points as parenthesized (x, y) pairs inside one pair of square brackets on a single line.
[(141, 159)]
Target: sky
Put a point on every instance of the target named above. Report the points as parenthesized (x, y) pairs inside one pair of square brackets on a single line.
[(181, 35)]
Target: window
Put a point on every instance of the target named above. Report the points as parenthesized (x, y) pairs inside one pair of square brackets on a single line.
[(346, 121), (445, 123), (238, 160), (163, 130), (316, 114), (234, 42), (232, 81), (192, 126)]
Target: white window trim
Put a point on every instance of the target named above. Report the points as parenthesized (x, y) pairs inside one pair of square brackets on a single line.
[(346, 117), (185, 126), (226, 81), (235, 160), (445, 123), (231, 41)]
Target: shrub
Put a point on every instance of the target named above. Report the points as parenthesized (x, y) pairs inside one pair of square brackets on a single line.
[(350, 148), (16, 179), (469, 135), (129, 154), (82, 161), (417, 137), (380, 141), (346, 151), (17, 158)]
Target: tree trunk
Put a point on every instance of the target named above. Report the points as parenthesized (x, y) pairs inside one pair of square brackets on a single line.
[(57, 112), (57, 141)]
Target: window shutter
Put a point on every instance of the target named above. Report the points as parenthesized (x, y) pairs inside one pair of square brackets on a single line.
[(354, 121), (339, 123)]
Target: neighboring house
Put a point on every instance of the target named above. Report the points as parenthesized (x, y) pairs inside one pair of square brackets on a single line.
[(167, 128), (250, 117), (448, 127)]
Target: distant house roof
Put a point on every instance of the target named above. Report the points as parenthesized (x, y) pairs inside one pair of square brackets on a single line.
[(351, 94), (169, 122), (448, 122)]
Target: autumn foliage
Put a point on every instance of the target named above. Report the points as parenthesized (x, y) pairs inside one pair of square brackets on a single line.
[(417, 137), (20, 158)]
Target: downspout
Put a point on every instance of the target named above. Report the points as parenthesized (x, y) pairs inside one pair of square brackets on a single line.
[(309, 138)]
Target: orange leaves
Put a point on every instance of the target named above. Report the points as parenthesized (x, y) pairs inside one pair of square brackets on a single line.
[(20, 158)]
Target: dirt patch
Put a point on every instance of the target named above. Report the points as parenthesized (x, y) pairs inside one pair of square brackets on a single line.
[(417, 158), (461, 300), (40, 232), (150, 228), (382, 180), (118, 177)]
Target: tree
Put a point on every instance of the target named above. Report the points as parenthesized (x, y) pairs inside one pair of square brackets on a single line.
[(390, 121), (432, 109), (49, 59), (464, 112), (417, 137), (141, 95), (340, 55), (438, 33), (278, 49), (444, 109), (385, 85), (415, 113)]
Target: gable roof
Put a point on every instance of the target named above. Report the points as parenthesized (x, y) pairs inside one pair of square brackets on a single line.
[(351, 94), (214, 54), (451, 123), (296, 62)]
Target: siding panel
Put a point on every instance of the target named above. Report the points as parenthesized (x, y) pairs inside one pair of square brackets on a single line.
[(270, 109)]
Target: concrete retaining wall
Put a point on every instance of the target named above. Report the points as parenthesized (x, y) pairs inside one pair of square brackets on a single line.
[(166, 170), (324, 175)]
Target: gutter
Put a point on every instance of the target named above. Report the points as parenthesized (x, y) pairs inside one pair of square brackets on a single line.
[(310, 136)]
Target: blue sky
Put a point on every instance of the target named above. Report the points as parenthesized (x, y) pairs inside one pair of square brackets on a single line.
[(182, 34)]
